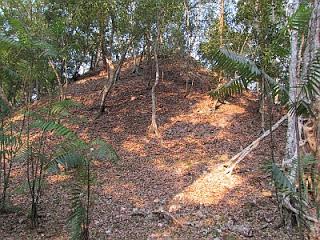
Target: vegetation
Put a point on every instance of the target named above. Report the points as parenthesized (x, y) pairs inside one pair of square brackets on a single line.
[(51, 128)]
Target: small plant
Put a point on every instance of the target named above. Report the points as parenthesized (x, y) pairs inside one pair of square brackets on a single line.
[(10, 142), (38, 152), (300, 198), (79, 156)]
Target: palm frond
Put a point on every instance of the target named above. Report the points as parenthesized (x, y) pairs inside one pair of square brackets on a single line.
[(8, 73), (8, 42), (281, 181), (53, 126), (103, 150), (300, 19), (68, 160), (246, 70), (310, 88), (61, 107), (23, 154), (78, 213), (46, 49)]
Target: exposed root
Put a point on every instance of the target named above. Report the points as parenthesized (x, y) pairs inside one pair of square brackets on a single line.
[(162, 214), (287, 204)]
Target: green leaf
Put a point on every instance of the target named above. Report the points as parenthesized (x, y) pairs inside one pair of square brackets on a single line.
[(68, 160), (102, 150), (300, 19), (247, 72), (53, 126), (281, 181)]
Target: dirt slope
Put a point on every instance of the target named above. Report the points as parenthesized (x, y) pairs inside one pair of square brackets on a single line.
[(170, 190)]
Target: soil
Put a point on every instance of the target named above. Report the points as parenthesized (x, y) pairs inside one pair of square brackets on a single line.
[(169, 188)]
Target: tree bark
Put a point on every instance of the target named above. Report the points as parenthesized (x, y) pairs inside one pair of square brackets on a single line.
[(154, 126), (59, 80), (291, 145), (221, 22), (314, 47), (113, 75)]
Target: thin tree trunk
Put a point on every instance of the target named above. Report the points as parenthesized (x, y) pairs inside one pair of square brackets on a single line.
[(154, 126), (59, 80), (221, 22), (108, 84), (114, 73), (142, 55), (241, 155), (221, 43)]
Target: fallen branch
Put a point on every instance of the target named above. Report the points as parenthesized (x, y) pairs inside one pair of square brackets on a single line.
[(241, 155)]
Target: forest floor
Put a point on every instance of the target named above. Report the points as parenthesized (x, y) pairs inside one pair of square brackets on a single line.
[(170, 189)]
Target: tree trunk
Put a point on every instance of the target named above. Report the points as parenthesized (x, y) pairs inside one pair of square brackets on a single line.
[(314, 47), (221, 22), (300, 133), (108, 84), (291, 145), (154, 126), (59, 80), (113, 75)]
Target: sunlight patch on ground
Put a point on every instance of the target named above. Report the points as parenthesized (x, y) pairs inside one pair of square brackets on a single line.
[(58, 178), (209, 189), (134, 147), (92, 78), (179, 168)]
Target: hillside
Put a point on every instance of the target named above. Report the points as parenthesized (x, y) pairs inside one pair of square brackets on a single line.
[(170, 189)]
